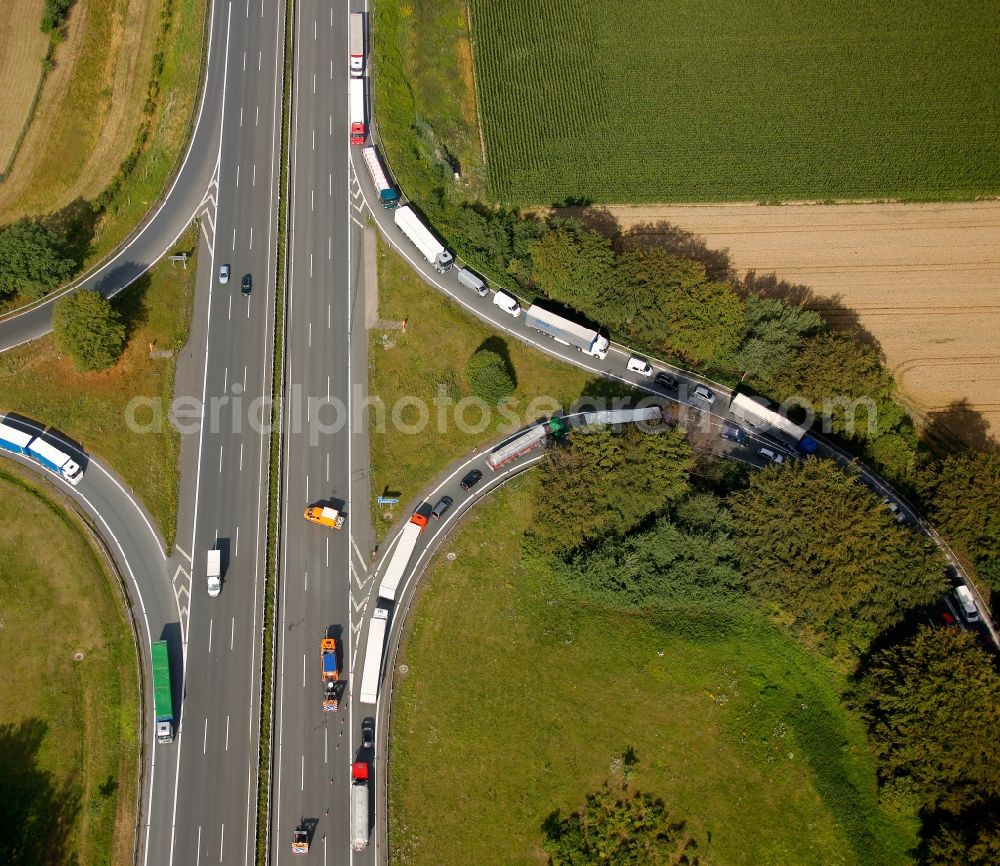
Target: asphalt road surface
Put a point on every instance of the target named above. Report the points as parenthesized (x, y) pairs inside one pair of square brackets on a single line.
[(188, 195), (325, 458), (211, 815)]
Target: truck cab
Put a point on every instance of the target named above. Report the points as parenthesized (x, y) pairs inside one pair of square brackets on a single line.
[(213, 572)]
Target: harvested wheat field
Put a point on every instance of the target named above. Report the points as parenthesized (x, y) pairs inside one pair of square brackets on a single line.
[(22, 49), (89, 109), (922, 279)]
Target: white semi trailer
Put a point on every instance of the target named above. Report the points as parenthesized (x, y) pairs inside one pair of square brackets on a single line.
[(421, 237), (373, 656)]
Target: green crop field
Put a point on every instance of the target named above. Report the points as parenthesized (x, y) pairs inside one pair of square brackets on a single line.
[(737, 100)]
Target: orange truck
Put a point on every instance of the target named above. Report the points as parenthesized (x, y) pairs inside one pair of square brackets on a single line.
[(300, 840), (324, 516), (328, 667)]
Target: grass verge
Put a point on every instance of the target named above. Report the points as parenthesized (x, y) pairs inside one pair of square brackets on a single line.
[(274, 470), (176, 94), (425, 98), (525, 701), (69, 700), (93, 408), (425, 365)]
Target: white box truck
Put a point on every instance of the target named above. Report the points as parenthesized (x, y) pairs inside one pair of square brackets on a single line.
[(213, 572), (373, 656), (359, 805), (566, 332), (356, 94), (357, 35), (420, 236)]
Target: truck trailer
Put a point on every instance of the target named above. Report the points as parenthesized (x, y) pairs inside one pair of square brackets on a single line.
[(14, 440), (357, 43), (213, 572), (534, 437), (373, 656), (359, 805), (356, 95), (401, 556), (420, 236), (58, 461), (162, 702), (757, 415), (587, 340), (387, 194), (329, 673)]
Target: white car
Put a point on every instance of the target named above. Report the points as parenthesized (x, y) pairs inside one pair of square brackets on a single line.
[(640, 366), (773, 456), (703, 393), (506, 303), (224, 274)]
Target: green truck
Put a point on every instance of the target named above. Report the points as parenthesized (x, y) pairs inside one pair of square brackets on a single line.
[(162, 703)]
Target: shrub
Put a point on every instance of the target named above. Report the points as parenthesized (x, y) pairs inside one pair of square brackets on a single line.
[(89, 330), (489, 377)]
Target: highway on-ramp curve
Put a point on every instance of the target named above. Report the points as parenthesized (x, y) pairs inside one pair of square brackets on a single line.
[(188, 194), (707, 418), (200, 803)]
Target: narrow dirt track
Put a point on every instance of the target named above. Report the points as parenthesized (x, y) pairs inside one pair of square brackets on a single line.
[(922, 279)]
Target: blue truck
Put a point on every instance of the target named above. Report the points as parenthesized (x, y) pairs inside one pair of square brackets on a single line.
[(41, 451)]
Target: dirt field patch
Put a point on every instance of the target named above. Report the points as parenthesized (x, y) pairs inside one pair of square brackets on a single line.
[(22, 48), (89, 108), (922, 279)]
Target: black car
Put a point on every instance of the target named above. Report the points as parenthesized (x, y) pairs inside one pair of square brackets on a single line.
[(368, 733), (734, 433), (665, 380), (444, 503), (471, 479), (247, 284)]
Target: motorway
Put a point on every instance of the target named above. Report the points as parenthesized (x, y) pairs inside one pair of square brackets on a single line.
[(213, 809), (199, 801), (324, 460), (199, 795)]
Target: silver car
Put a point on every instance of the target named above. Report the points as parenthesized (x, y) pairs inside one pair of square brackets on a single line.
[(224, 274)]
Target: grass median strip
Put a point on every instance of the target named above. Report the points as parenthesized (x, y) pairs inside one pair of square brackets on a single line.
[(273, 550)]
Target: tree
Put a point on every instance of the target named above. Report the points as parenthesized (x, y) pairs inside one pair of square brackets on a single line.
[(670, 305), (842, 380), (89, 330), (618, 827), (606, 483), (774, 329), (488, 376), (971, 838), (962, 494), (572, 265), (931, 709), (816, 546), (33, 259), (662, 565)]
